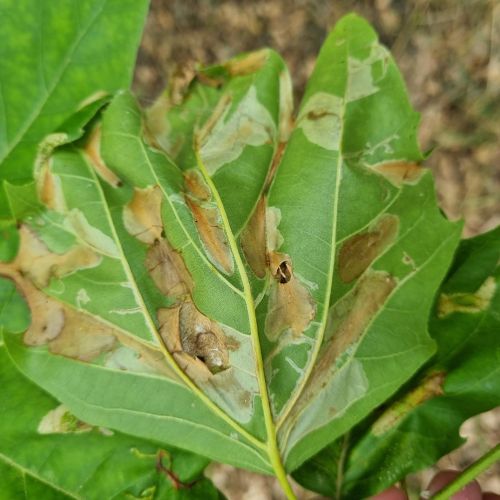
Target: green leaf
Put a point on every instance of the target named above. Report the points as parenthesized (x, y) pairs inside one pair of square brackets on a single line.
[(46, 452), (53, 56), (422, 423), (224, 284)]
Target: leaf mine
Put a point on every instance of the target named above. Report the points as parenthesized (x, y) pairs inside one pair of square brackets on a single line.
[(253, 240), (38, 263), (61, 421), (400, 172), (167, 269), (359, 251), (208, 222), (290, 305), (197, 343), (142, 215), (248, 64), (93, 151), (429, 388), (468, 303), (347, 321), (226, 134)]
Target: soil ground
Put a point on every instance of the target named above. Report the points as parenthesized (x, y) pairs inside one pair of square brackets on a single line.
[(449, 54)]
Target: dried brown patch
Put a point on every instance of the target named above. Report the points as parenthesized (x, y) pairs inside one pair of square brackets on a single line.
[(37, 262), (49, 188), (168, 270), (430, 387), (359, 251), (253, 240), (196, 185), (74, 333), (197, 342), (248, 64), (93, 151), (290, 303), (400, 172), (349, 318), (142, 215), (212, 235)]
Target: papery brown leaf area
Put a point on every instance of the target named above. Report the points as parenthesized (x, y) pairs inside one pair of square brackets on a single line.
[(207, 219), (196, 343), (400, 172), (35, 261), (347, 321), (66, 330), (290, 306), (93, 151), (253, 240), (359, 251)]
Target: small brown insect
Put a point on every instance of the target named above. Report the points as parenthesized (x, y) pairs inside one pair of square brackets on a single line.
[(284, 272)]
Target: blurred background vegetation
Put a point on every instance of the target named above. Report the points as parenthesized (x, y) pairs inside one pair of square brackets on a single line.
[(449, 54)]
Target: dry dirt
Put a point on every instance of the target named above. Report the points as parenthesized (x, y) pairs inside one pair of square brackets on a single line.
[(449, 53)]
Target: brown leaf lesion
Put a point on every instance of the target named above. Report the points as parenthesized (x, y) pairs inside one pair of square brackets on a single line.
[(400, 172), (35, 261), (197, 343), (290, 305), (208, 222), (93, 152), (360, 250), (76, 334)]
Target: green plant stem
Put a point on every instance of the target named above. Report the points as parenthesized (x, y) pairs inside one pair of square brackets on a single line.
[(272, 445), (469, 474)]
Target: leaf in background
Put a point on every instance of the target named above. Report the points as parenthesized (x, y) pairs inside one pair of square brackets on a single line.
[(46, 452), (53, 55), (144, 315), (422, 423)]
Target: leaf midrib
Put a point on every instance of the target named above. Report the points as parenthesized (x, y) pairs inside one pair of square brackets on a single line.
[(151, 325)]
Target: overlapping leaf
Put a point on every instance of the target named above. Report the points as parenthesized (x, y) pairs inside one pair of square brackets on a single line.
[(184, 287), (53, 56), (45, 452), (463, 379)]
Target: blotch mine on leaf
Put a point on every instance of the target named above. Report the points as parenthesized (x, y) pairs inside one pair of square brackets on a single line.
[(248, 64), (253, 240), (321, 120), (290, 305), (93, 151), (194, 340), (49, 188), (37, 262), (359, 251), (349, 317), (468, 303), (167, 269), (400, 172), (61, 421), (429, 388), (196, 185), (142, 214), (347, 321), (225, 135), (207, 220)]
